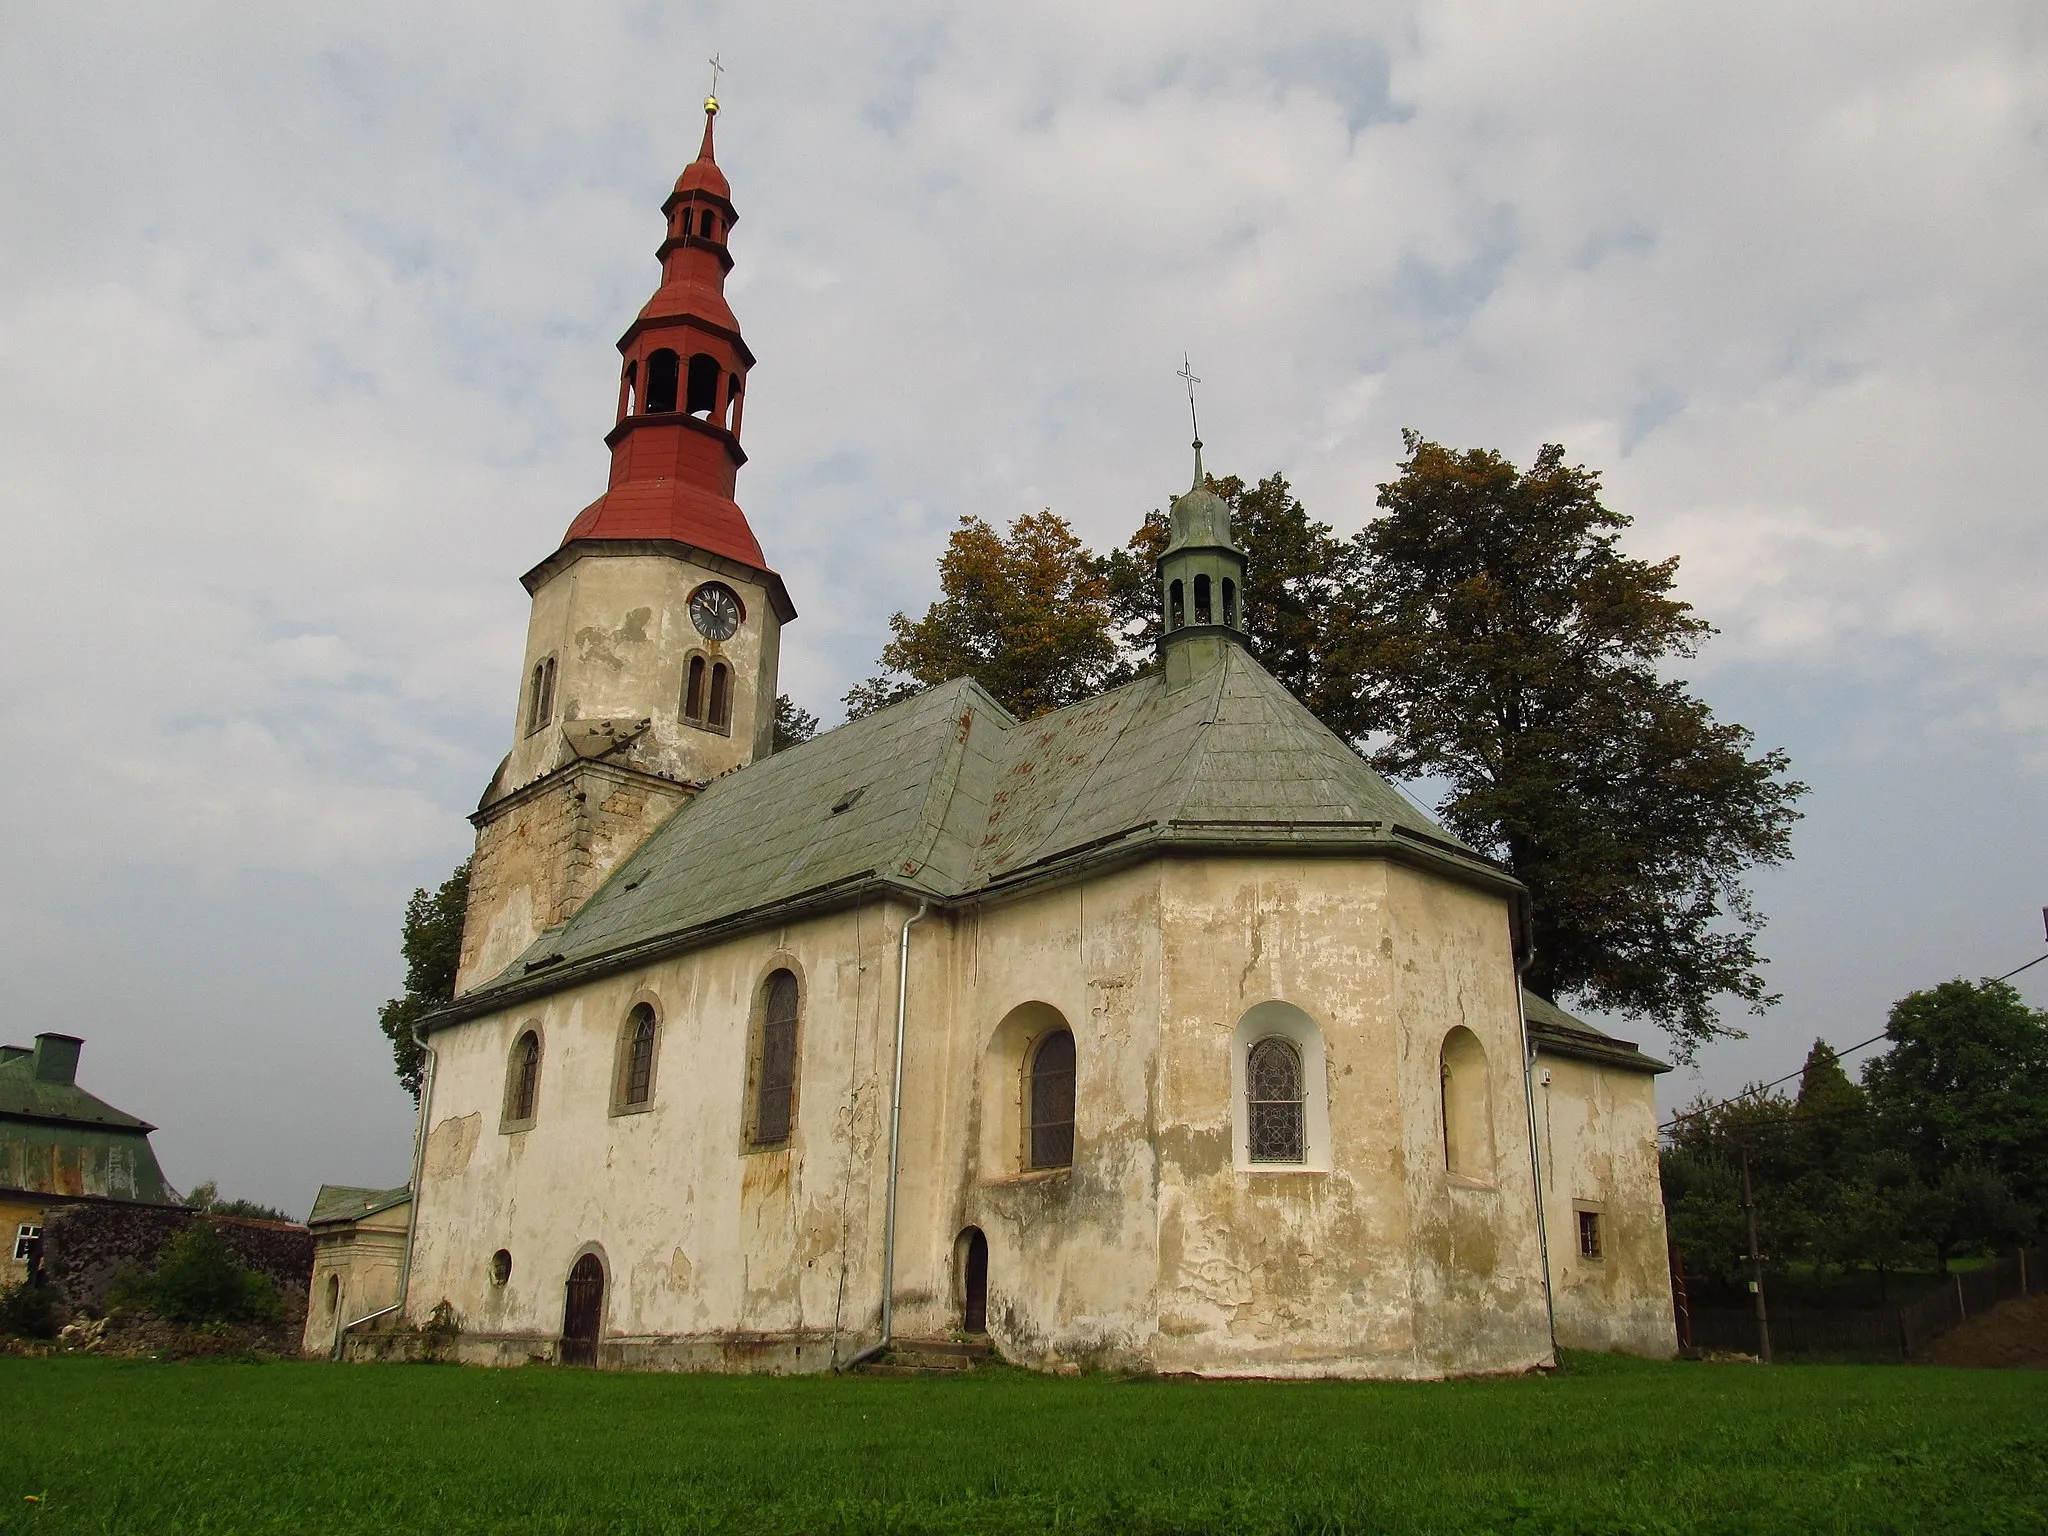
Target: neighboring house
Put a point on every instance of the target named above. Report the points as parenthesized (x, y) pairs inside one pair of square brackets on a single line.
[(358, 1247), (60, 1145), (1206, 1046)]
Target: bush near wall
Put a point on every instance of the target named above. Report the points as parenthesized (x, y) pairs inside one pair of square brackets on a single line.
[(86, 1245)]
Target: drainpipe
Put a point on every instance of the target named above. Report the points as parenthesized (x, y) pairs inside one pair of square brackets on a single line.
[(895, 1143), (412, 1209), (1522, 964)]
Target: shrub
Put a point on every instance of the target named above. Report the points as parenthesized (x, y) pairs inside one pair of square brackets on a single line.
[(197, 1280), (30, 1312)]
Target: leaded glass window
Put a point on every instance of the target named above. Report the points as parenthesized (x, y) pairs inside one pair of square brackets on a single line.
[(775, 1079), (1273, 1089), (640, 1057), (1052, 1101)]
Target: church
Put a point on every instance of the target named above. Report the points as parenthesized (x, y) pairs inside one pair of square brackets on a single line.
[(1154, 1034)]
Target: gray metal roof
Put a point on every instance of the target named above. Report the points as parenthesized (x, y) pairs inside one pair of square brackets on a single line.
[(946, 795), (1563, 1034), (349, 1202)]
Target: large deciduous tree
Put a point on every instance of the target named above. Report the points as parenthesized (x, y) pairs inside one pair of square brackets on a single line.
[(1027, 616), (1497, 639), (432, 944), (1965, 1085)]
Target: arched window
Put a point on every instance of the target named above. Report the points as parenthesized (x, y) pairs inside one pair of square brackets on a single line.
[(1230, 602), (719, 714), (628, 382), (664, 371), (635, 1086), (1274, 1106), (693, 691), (1052, 1101), (774, 1107), (540, 698), (706, 225), (1280, 1098), (1202, 609), (1467, 1106), (522, 1080), (704, 371), (1176, 609), (333, 1294), (732, 401)]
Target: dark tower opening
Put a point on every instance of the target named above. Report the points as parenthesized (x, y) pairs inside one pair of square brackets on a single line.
[(1202, 600), (704, 371), (663, 373)]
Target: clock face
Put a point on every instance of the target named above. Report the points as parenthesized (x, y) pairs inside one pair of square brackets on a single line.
[(715, 611)]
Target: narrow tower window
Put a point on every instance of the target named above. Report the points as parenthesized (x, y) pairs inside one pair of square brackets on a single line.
[(1230, 602), (628, 382), (693, 692), (707, 226), (540, 701), (522, 1081), (1052, 1101), (720, 716), (1202, 600), (664, 370), (1176, 607), (735, 398), (703, 384), (775, 1062)]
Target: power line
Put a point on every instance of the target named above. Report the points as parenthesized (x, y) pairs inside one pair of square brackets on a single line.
[(1758, 1088)]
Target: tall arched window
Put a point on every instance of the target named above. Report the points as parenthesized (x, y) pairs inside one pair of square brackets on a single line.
[(719, 713), (1176, 607), (774, 1107), (704, 371), (522, 1080), (1230, 602), (1202, 609), (1280, 1097), (733, 398), (693, 691), (628, 382), (635, 1087), (540, 700), (706, 225), (664, 372), (1052, 1101), (1467, 1106), (1275, 1116)]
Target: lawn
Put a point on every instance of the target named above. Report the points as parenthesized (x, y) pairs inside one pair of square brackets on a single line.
[(1604, 1446)]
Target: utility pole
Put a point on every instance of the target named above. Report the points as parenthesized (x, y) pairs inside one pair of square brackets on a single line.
[(1756, 1266)]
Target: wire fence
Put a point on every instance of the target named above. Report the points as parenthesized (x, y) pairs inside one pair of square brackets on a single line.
[(1873, 1333)]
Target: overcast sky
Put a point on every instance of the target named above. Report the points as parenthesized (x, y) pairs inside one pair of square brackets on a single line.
[(306, 326)]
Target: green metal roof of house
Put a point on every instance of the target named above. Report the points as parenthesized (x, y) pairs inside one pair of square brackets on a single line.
[(1562, 1034), (347, 1202), (37, 1083), (946, 795)]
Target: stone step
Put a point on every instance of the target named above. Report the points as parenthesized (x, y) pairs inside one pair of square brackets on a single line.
[(925, 1357)]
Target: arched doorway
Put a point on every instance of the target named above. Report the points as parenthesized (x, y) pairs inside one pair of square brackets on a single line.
[(583, 1311), (973, 1281)]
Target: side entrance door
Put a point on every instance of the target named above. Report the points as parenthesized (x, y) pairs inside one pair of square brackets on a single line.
[(974, 1284), (583, 1312)]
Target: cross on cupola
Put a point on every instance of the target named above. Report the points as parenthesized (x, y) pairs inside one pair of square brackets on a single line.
[(1201, 572)]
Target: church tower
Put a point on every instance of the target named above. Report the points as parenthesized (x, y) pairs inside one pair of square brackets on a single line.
[(655, 630), (1201, 583)]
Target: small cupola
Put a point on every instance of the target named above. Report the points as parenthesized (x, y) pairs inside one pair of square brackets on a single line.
[(1201, 583)]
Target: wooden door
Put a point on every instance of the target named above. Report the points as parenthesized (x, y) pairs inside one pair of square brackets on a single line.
[(974, 1312), (583, 1312)]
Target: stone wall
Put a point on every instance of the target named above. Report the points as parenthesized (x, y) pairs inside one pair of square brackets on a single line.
[(84, 1245)]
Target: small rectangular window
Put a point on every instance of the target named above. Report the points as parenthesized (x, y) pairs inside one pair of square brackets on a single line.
[(1589, 1234), (25, 1237)]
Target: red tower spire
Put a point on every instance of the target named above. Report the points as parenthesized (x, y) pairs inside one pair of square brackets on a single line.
[(676, 446)]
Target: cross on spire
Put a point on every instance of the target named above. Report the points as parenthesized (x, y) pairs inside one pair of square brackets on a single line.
[(717, 69), (1187, 371)]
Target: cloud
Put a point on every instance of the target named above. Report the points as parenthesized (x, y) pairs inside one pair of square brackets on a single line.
[(306, 318)]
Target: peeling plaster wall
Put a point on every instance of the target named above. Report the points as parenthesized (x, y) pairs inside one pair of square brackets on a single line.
[(1597, 1131), (1154, 1251), (619, 627)]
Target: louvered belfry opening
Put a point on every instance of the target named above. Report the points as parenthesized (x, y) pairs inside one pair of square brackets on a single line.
[(583, 1311), (1273, 1084), (775, 1081), (1052, 1101)]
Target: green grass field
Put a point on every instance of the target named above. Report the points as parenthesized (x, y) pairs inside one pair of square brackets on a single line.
[(1605, 1446)]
